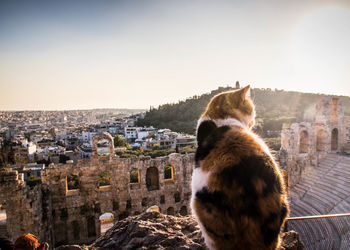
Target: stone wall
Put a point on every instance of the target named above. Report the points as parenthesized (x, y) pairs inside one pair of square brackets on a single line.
[(66, 207), (304, 144), (75, 213), (59, 215), (24, 206)]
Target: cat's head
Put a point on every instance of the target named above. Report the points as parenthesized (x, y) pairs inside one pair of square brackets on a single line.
[(232, 104)]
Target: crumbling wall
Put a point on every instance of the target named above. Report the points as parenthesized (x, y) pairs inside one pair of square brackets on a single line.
[(59, 215), (24, 206), (304, 144), (75, 213), (346, 148)]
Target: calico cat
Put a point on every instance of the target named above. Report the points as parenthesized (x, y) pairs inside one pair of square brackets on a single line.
[(238, 194)]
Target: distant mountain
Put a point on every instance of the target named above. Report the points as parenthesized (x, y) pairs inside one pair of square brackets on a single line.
[(274, 107)]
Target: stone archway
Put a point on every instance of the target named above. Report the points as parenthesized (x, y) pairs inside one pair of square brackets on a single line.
[(99, 137), (170, 211), (76, 230), (183, 210), (91, 226), (303, 142), (321, 140), (334, 139), (152, 179)]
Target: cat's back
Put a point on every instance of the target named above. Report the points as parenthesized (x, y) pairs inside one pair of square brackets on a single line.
[(241, 199)]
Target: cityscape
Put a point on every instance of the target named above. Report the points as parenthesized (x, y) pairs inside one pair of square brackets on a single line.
[(102, 107)]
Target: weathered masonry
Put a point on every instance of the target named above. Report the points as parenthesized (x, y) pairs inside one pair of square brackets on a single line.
[(324, 130), (67, 206)]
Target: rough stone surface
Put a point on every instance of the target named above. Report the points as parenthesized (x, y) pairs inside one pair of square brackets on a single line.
[(152, 231), (157, 231), (291, 241)]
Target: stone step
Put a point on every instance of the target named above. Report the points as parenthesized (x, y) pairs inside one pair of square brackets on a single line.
[(323, 191), (334, 190)]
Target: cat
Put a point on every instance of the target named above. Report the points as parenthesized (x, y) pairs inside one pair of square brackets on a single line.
[(238, 194)]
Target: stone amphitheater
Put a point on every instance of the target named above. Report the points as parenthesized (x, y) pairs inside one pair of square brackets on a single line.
[(324, 190), (315, 153)]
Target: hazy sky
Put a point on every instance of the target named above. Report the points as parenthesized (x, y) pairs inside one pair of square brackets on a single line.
[(136, 54)]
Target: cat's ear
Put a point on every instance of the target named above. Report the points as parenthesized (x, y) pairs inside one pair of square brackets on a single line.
[(245, 92)]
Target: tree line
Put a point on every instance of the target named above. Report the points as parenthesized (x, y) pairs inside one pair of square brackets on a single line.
[(273, 108)]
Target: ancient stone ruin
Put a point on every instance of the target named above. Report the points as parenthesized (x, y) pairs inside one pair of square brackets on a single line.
[(70, 204), (66, 207), (324, 130)]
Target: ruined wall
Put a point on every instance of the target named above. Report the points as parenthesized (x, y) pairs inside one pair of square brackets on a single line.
[(75, 213), (346, 148), (59, 215), (24, 206), (66, 207), (304, 144)]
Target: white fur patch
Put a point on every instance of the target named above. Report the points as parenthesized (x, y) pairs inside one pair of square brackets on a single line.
[(199, 181), (222, 122)]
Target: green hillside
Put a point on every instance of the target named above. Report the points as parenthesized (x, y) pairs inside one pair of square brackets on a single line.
[(274, 107)]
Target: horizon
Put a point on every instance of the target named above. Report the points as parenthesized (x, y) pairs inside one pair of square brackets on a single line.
[(86, 55), (183, 99)]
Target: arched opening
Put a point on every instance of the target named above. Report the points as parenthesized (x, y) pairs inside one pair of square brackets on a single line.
[(169, 173), (104, 179), (76, 230), (177, 197), (170, 211), (334, 139), (162, 199), (3, 220), (152, 179), (303, 145), (106, 222), (144, 202), (91, 226), (134, 176), (321, 140), (103, 147), (183, 210), (72, 182), (102, 144)]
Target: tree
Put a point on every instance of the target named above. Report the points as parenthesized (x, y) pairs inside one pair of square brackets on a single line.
[(119, 142)]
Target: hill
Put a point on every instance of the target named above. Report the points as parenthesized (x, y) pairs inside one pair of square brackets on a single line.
[(273, 107)]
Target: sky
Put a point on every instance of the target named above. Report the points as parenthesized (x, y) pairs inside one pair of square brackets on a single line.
[(57, 55)]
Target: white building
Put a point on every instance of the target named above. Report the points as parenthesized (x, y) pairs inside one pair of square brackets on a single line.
[(131, 132), (86, 136)]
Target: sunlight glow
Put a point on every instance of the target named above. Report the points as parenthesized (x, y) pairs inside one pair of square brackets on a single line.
[(319, 50)]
